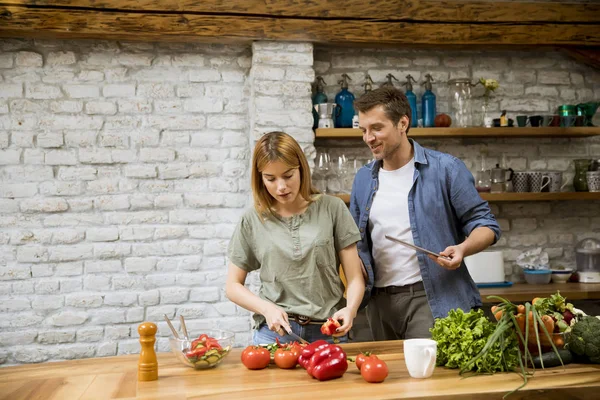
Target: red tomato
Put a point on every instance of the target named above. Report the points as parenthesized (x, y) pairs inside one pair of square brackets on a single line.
[(286, 357), (256, 357), (329, 327), (361, 358), (374, 370)]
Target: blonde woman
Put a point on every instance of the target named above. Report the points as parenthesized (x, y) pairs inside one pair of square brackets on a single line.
[(297, 238)]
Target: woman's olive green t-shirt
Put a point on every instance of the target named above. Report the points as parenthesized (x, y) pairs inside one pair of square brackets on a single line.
[(298, 256)]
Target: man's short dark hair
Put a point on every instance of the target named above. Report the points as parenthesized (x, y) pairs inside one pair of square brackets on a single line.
[(394, 102)]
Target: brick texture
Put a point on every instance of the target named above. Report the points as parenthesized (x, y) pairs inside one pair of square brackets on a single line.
[(530, 83), (101, 143), (123, 171)]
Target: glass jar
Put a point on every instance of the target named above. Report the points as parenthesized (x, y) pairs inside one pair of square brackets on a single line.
[(580, 178), (461, 102)]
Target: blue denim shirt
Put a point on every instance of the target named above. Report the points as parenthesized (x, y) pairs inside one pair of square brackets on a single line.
[(444, 207)]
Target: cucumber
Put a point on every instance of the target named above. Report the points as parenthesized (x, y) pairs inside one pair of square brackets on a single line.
[(213, 359), (201, 364), (551, 360)]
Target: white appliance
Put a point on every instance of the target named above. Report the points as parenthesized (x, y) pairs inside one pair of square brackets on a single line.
[(587, 257), (486, 267)]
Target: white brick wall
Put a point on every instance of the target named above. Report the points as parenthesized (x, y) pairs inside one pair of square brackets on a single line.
[(530, 83), (281, 77), (123, 170)]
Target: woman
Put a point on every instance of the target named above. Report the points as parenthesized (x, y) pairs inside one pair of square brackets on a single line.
[(297, 238)]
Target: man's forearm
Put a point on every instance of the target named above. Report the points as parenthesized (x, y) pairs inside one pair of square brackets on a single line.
[(479, 239)]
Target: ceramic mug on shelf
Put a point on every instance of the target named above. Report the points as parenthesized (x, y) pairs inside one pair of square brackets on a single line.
[(567, 120), (555, 184), (535, 120), (593, 181), (547, 120), (420, 356), (580, 120), (521, 182), (522, 120), (537, 181)]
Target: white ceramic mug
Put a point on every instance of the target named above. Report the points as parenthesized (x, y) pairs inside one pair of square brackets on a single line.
[(420, 356)]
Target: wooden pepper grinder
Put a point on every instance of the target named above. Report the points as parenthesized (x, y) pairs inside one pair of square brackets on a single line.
[(147, 365)]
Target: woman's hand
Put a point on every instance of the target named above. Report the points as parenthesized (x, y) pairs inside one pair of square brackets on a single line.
[(346, 315), (277, 319)]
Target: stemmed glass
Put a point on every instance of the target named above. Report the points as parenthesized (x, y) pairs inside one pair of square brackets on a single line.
[(321, 171)]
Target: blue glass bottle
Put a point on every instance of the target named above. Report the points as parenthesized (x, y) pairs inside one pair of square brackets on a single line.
[(345, 104), (412, 100), (318, 98), (428, 102)]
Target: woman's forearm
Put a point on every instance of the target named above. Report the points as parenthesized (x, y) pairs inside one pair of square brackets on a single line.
[(355, 282), (243, 297), (354, 294)]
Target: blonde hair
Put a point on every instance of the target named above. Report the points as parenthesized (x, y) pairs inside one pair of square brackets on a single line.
[(278, 146)]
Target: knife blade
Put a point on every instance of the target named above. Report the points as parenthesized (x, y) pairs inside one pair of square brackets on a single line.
[(296, 337), (415, 247)]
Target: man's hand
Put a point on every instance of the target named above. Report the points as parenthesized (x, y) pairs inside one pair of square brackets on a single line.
[(454, 253)]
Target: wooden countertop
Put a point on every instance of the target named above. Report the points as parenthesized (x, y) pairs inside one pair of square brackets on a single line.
[(525, 292), (115, 378)]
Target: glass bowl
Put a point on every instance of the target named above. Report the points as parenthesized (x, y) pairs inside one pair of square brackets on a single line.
[(207, 353)]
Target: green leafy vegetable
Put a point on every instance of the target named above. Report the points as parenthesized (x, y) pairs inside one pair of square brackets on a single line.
[(462, 336)]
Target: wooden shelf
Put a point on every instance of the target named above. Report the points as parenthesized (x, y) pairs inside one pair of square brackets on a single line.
[(521, 292), (583, 131), (511, 196), (506, 197)]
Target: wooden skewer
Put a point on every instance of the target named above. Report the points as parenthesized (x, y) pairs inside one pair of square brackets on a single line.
[(184, 328), (171, 326)]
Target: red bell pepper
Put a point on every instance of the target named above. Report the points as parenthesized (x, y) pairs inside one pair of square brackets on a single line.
[(328, 362), (330, 327), (194, 353), (309, 350)]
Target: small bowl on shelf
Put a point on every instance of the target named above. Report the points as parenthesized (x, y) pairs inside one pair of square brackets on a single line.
[(537, 276), (561, 275), (206, 350)]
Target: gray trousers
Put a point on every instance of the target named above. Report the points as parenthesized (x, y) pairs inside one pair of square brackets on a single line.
[(399, 316)]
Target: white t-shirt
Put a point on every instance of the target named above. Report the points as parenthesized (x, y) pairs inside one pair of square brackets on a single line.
[(396, 265)]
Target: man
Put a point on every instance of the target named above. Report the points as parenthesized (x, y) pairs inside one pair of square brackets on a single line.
[(421, 196)]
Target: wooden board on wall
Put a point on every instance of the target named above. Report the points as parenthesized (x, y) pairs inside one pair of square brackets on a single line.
[(414, 10), (18, 21)]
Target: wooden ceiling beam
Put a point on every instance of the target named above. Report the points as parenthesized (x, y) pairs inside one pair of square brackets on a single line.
[(18, 21), (408, 10)]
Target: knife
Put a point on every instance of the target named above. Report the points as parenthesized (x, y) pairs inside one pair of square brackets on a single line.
[(296, 337), (415, 247)]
